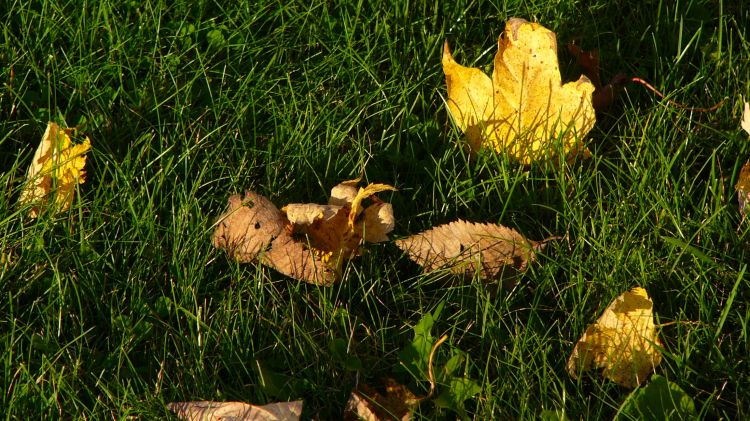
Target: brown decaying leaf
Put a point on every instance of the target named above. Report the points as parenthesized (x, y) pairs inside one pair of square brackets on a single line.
[(308, 241), (367, 404), (248, 226), (494, 251), (236, 411), (624, 341), (295, 259), (743, 182)]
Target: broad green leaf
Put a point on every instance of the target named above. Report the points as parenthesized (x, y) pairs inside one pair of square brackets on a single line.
[(659, 400)]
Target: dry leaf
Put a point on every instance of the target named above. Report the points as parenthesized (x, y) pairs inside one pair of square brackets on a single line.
[(55, 171), (743, 183), (236, 411), (495, 251), (296, 259), (523, 108), (248, 226), (623, 341), (367, 404), (743, 188), (344, 193), (308, 213), (309, 242)]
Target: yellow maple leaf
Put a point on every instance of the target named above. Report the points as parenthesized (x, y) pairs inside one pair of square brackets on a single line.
[(55, 171), (623, 342), (524, 108)]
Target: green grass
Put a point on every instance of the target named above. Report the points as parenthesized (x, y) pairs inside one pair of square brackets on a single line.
[(121, 305)]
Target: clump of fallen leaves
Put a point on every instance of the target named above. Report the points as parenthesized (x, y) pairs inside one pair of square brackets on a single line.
[(309, 242), (743, 183), (493, 251), (623, 342), (55, 171), (366, 403), (237, 411), (523, 109)]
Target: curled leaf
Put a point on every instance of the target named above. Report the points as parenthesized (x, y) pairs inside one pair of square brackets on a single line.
[(309, 242), (398, 402), (524, 108), (55, 171), (236, 411), (344, 193), (248, 226), (623, 342), (494, 251)]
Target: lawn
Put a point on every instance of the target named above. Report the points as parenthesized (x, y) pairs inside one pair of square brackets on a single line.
[(120, 305)]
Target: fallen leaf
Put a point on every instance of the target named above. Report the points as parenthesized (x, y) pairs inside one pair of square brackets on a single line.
[(367, 404), (344, 193), (296, 259), (55, 171), (309, 242), (743, 183), (494, 251), (236, 411), (524, 108), (623, 342), (249, 225)]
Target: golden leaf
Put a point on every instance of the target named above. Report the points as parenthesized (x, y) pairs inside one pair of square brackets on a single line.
[(236, 411), (623, 342), (494, 251), (524, 108), (56, 169)]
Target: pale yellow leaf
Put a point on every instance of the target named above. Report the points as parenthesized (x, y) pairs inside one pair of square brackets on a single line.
[(344, 193), (623, 342), (376, 222), (236, 411), (745, 123), (308, 213), (494, 251), (523, 108)]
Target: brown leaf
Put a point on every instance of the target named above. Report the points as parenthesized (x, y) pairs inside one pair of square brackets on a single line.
[(398, 403), (743, 188), (495, 251), (295, 259), (743, 183), (236, 411), (248, 226)]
